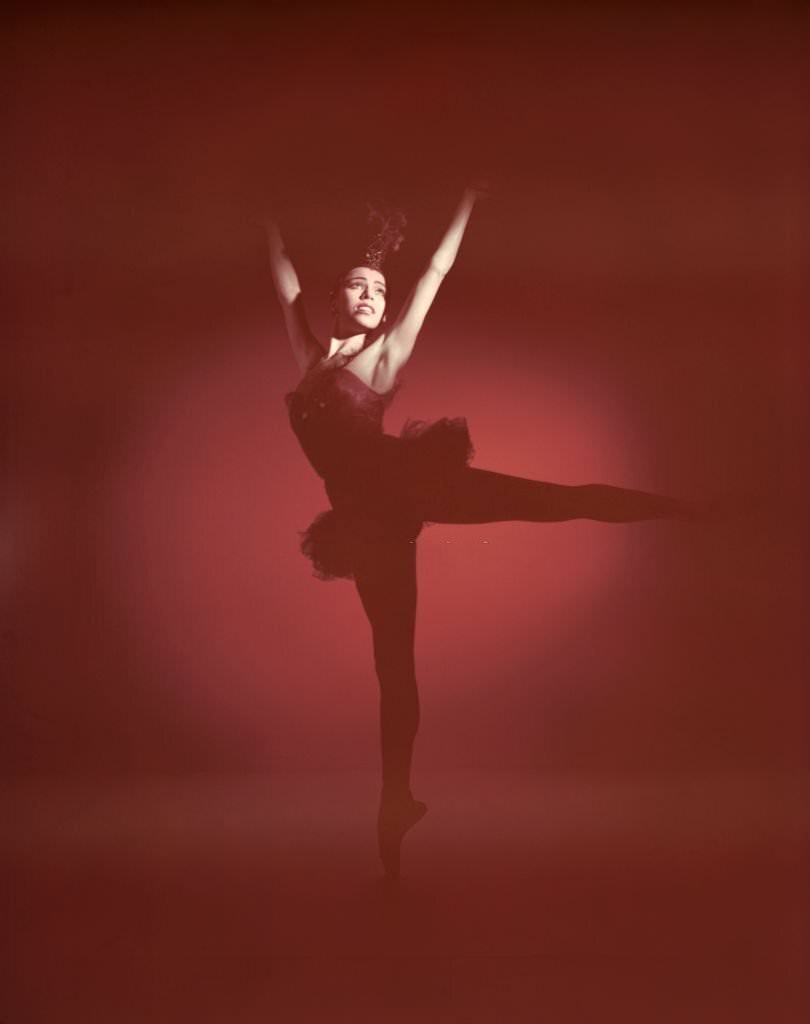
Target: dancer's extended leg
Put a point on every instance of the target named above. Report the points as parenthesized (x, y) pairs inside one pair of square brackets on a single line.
[(482, 496)]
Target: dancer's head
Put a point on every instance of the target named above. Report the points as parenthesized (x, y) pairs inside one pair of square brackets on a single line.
[(359, 295), (358, 301)]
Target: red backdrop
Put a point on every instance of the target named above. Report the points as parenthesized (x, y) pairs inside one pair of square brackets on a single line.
[(625, 309)]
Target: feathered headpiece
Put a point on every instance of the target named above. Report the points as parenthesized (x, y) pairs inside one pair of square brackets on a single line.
[(388, 237)]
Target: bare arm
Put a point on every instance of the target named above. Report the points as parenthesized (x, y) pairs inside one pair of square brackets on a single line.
[(305, 346), (399, 341)]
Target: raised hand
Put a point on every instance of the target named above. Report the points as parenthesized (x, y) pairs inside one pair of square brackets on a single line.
[(479, 188)]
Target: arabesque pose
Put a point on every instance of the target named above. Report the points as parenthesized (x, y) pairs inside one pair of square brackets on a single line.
[(384, 488)]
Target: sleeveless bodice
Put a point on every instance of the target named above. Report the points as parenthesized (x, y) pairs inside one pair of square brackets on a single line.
[(337, 418)]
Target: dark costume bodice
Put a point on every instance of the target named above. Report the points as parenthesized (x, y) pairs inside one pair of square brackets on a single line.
[(376, 482)]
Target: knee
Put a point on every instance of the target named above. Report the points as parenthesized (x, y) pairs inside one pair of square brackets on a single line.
[(394, 670)]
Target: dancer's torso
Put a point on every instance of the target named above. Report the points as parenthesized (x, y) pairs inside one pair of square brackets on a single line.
[(337, 417)]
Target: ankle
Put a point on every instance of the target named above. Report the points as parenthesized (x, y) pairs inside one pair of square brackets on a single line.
[(396, 793)]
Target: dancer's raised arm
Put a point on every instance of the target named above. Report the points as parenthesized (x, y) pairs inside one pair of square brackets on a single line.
[(401, 337), (306, 348)]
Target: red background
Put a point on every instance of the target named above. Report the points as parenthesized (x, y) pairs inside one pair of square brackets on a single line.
[(627, 308), (624, 309)]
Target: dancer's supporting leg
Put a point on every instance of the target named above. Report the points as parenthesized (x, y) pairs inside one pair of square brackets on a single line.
[(474, 495), (385, 576)]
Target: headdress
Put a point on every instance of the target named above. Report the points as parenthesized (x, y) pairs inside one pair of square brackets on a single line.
[(388, 237)]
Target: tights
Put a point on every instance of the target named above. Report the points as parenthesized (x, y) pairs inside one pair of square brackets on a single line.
[(385, 576)]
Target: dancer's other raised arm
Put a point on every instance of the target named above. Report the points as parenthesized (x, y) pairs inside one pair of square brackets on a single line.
[(400, 339), (306, 347)]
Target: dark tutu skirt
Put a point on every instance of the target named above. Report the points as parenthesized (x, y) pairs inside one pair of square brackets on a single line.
[(376, 502)]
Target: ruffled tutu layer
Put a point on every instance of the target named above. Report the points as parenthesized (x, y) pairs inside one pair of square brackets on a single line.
[(440, 445), (379, 505)]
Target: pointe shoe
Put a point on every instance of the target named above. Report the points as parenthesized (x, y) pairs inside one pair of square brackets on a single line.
[(396, 817)]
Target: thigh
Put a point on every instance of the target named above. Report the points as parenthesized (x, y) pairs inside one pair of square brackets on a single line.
[(385, 577), (473, 495)]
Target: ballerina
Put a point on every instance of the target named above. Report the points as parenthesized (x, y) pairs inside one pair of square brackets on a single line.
[(384, 488)]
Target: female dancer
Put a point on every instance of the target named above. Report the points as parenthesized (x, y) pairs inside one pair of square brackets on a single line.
[(383, 488)]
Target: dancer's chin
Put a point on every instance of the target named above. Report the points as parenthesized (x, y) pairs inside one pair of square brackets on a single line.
[(351, 328)]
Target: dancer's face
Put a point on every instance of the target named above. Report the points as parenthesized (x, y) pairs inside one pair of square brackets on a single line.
[(359, 302)]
